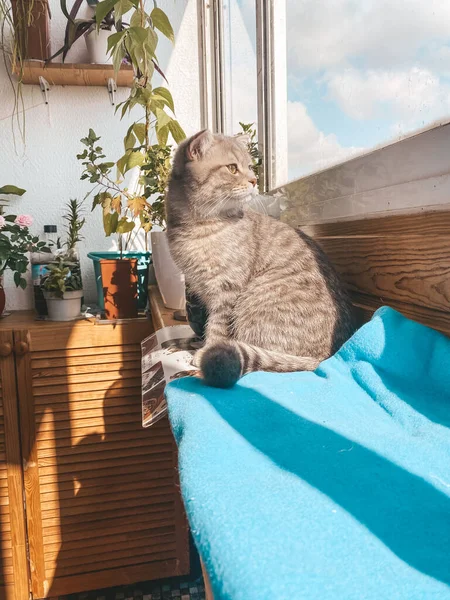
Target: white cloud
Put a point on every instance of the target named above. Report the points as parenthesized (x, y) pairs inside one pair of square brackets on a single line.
[(310, 149), (415, 96), (323, 34)]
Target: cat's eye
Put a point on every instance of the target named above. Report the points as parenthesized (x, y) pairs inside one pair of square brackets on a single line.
[(233, 169)]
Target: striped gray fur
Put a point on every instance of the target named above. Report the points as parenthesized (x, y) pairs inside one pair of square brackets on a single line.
[(274, 301)]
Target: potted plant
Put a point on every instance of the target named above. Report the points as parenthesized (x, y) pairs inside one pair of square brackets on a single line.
[(16, 242), (63, 290), (95, 33), (129, 212)]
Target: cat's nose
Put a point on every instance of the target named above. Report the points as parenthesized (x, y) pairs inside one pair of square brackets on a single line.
[(252, 181)]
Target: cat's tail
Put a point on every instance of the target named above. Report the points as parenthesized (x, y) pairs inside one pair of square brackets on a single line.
[(224, 363)]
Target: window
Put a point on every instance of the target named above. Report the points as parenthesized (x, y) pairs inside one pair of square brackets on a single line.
[(361, 74)]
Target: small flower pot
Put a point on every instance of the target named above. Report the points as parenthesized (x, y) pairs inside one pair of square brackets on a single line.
[(168, 275), (66, 308), (120, 287), (97, 46)]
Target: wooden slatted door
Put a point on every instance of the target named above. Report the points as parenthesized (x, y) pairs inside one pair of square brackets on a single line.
[(103, 505), (14, 580)]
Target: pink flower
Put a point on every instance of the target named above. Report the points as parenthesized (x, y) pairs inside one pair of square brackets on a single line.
[(2, 221), (24, 220)]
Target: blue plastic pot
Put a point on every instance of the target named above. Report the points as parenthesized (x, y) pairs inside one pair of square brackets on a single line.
[(144, 259)]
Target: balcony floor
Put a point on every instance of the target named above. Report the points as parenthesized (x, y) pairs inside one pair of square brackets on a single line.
[(151, 590)]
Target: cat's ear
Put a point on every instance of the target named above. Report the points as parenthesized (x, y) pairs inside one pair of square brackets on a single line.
[(243, 138), (199, 144)]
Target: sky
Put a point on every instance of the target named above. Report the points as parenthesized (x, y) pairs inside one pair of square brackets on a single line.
[(360, 73)]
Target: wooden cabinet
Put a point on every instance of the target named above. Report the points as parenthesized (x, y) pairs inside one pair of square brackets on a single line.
[(100, 493)]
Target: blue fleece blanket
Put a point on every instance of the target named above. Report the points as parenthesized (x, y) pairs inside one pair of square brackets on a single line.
[(327, 485)]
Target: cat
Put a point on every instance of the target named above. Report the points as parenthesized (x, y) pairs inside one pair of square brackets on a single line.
[(274, 301)]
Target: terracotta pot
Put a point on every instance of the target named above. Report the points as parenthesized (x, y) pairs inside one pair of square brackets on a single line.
[(120, 279), (2, 299)]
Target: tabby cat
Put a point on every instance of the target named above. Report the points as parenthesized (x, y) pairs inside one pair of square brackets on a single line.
[(274, 301)]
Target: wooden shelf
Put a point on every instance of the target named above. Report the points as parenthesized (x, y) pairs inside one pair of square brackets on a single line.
[(75, 74)]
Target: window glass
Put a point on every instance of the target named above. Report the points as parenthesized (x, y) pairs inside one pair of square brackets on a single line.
[(361, 73)]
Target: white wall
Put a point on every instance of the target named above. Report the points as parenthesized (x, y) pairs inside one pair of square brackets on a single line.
[(47, 166)]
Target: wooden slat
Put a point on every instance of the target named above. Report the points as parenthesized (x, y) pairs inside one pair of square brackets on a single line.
[(97, 505), (101, 357), (111, 368), (132, 400), (47, 423), (161, 517), (85, 354), (109, 470), (413, 270), (94, 468), (149, 532), (102, 376), (423, 224), (100, 454), (101, 579), (60, 553), (432, 318), (166, 551), (87, 334), (74, 388), (121, 562), (70, 398), (108, 538), (52, 500), (136, 474), (76, 435), (400, 260), (46, 451), (66, 419)]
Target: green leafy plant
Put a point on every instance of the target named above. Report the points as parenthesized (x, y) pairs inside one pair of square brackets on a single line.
[(75, 220), (16, 242), (126, 212), (75, 28), (249, 130), (63, 276)]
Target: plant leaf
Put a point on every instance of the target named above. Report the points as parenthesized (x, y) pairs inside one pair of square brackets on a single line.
[(118, 55), (177, 131), (12, 189), (110, 221), (162, 134), (130, 139), (161, 22), (122, 163), (137, 205), (162, 119), (116, 203), (121, 7), (115, 39), (124, 226), (102, 9), (135, 159), (166, 96), (139, 130)]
